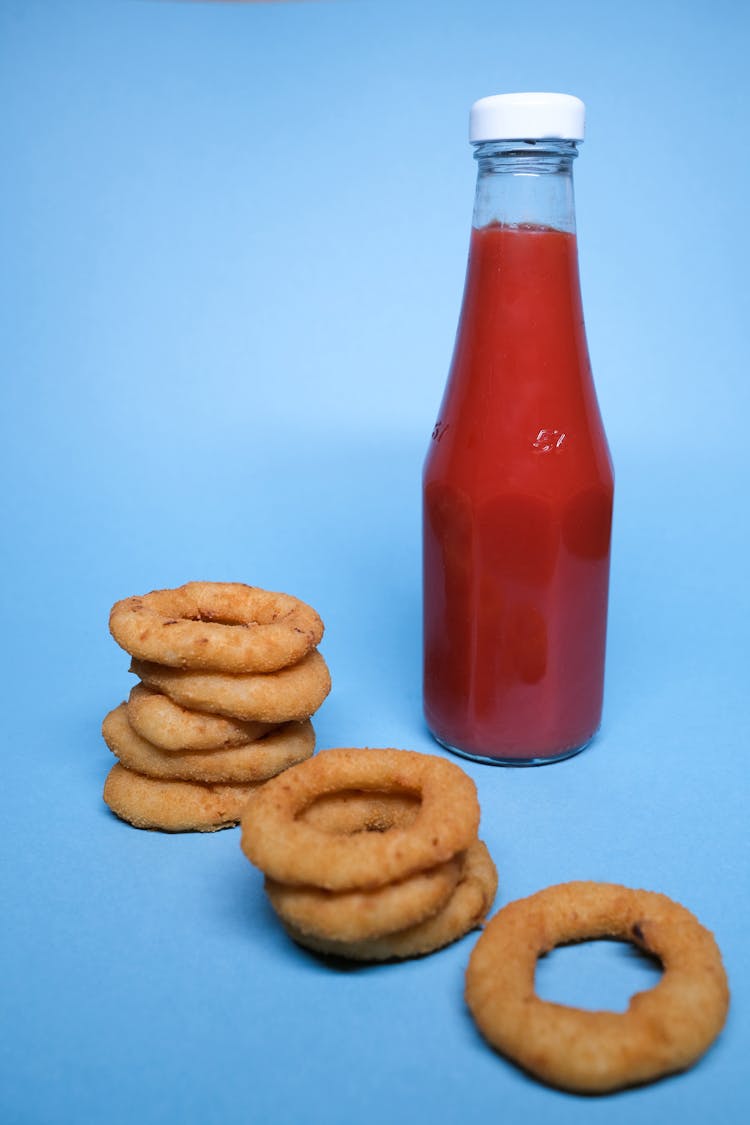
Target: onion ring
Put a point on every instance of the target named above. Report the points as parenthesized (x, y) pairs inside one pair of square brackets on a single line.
[(174, 806), (277, 697), (161, 721), (287, 849), (256, 761), (216, 626), (364, 915), (464, 911), (665, 1028)]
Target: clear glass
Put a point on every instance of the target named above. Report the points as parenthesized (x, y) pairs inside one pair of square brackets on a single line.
[(518, 483), (525, 183)]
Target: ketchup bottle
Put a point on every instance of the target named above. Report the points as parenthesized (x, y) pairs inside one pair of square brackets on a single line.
[(518, 481)]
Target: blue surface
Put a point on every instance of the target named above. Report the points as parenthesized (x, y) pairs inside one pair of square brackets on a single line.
[(233, 248)]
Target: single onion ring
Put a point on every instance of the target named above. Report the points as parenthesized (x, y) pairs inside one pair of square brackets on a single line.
[(276, 697), (257, 761), (161, 721), (464, 911), (363, 915), (664, 1029), (283, 846), (350, 811), (216, 626), (175, 806)]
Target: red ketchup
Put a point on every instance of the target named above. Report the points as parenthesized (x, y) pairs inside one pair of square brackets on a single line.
[(518, 481)]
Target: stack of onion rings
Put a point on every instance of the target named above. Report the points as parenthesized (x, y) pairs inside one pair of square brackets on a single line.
[(231, 675), (463, 911), (665, 1029), (372, 854)]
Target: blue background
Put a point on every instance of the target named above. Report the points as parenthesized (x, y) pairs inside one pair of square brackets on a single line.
[(233, 248)]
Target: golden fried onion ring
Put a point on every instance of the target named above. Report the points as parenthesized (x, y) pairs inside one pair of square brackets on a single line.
[(174, 806), (274, 697), (467, 906), (256, 761), (664, 1029), (284, 847), (165, 724), (216, 626)]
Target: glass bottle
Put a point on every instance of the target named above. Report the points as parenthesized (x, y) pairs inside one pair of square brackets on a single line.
[(518, 482)]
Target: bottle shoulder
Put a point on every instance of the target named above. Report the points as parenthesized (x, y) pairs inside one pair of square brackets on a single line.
[(550, 459)]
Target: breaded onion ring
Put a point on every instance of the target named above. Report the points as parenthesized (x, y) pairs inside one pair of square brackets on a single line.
[(216, 626), (174, 806), (161, 721), (363, 915), (284, 847), (464, 911), (277, 697), (256, 761), (352, 811), (664, 1029)]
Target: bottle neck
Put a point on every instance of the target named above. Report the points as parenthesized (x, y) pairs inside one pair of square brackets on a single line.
[(525, 184)]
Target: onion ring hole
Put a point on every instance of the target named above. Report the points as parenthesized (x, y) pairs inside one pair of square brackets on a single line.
[(600, 974), (351, 811)]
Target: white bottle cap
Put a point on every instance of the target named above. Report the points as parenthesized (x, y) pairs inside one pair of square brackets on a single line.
[(527, 117)]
